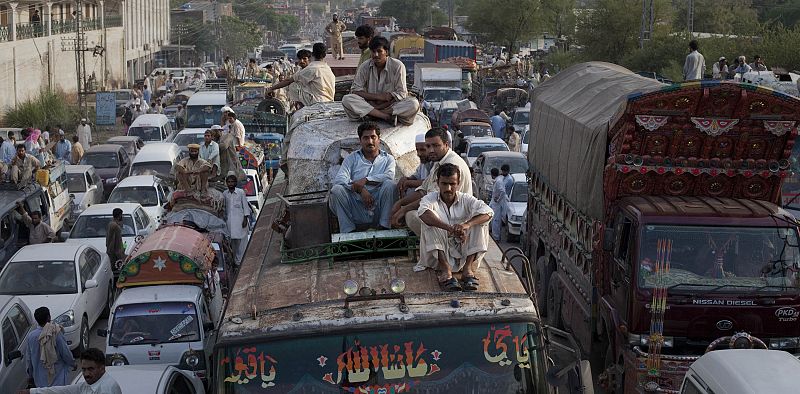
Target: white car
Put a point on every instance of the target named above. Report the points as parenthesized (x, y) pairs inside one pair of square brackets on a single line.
[(482, 181), (477, 145), (13, 375), (525, 134), (254, 188), (155, 379), (189, 136), (85, 188), (145, 190), (516, 208), (74, 281), (90, 228)]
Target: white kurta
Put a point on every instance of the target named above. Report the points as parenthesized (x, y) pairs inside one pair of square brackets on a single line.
[(237, 207), (84, 135)]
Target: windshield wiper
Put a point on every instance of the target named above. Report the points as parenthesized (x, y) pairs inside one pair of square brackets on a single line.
[(179, 335), (779, 294)]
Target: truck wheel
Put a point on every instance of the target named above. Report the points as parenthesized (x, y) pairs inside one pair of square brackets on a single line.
[(542, 275), (553, 317)]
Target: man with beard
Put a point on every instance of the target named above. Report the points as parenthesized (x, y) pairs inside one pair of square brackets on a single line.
[(364, 34), (193, 172), (437, 143), (315, 83), (407, 185), (364, 189), (455, 233), (379, 89), (335, 29)]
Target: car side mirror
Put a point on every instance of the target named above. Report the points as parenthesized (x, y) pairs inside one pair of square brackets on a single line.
[(90, 284), (64, 235), (102, 332), (13, 355), (608, 239), (208, 326)]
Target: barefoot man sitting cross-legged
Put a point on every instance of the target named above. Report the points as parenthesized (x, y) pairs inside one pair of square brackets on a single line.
[(455, 231)]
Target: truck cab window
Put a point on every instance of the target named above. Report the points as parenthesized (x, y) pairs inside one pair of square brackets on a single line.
[(5, 227), (622, 253)]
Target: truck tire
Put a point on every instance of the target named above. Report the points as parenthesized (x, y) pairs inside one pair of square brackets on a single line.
[(553, 317), (542, 274)]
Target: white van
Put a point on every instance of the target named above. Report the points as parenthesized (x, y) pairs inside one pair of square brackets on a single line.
[(152, 128), (203, 109), (291, 50), (156, 158), (743, 371)]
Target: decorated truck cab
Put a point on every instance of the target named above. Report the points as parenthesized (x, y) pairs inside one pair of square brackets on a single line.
[(653, 222), (169, 305)]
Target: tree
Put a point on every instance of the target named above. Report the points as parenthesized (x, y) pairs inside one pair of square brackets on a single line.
[(787, 13), (416, 14), (559, 17), (504, 21), (712, 16), (256, 11), (238, 37)]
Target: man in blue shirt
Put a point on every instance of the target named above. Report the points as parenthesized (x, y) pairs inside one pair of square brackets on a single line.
[(52, 368), (8, 148), (508, 181), (498, 124), (364, 188), (63, 148)]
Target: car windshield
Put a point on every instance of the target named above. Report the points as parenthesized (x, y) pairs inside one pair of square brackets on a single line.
[(145, 195), (728, 257), (76, 183), (472, 358), (525, 135), (38, 277), (156, 322), (122, 96), (520, 118), (476, 131), (476, 149), (519, 193), (146, 133), (203, 116), (151, 168), (517, 165), (446, 116), (435, 95), (94, 226), (127, 145), (101, 159), (184, 139)]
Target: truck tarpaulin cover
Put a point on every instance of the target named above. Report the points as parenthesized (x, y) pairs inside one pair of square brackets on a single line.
[(572, 114), (171, 255)]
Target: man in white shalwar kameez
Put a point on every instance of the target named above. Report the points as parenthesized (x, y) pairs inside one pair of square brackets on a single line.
[(84, 134), (237, 215), (498, 203), (455, 232)]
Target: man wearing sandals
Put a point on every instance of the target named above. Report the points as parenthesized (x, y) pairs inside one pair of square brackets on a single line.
[(455, 231)]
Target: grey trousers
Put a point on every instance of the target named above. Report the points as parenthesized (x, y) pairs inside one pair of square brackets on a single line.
[(350, 210)]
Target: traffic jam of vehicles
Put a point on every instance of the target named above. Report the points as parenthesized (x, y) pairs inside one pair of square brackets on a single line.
[(297, 223)]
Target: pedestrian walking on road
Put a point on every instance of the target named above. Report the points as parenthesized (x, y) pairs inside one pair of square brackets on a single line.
[(47, 354), (114, 248), (335, 29), (63, 149), (695, 64), (84, 134), (95, 378), (237, 212), (76, 153), (513, 139)]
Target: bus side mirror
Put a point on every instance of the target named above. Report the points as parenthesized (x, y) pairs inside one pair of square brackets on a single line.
[(608, 239)]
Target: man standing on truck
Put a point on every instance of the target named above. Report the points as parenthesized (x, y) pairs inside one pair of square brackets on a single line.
[(437, 143), (38, 232), (114, 247), (63, 149), (335, 29), (364, 189), (364, 34), (379, 89), (237, 211), (209, 151), (695, 64), (315, 83), (455, 235)]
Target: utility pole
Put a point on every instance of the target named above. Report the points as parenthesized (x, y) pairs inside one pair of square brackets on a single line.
[(690, 18), (78, 46), (648, 17)]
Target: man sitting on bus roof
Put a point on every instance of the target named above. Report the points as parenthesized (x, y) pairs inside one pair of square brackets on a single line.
[(455, 231), (364, 188), (379, 88), (313, 84)]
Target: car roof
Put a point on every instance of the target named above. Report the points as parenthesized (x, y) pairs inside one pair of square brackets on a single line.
[(105, 148), (124, 138), (485, 141), (78, 168), (518, 177), (192, 131), (157, 152), (48, 251), (208, 98), (749, 370), (474, 123), (167, 293), (107, 209), (503, 153), (150, 120), (138, 180), (6, 299)]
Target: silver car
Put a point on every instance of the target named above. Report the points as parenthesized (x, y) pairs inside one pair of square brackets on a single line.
[(85, 189), (17, 321)]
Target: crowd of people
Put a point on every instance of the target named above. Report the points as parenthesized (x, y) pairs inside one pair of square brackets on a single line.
[(694, 67)]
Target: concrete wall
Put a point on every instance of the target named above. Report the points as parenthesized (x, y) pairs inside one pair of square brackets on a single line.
[(27, 66)]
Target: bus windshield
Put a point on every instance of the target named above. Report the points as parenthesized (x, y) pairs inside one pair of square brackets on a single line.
[(479, 358)]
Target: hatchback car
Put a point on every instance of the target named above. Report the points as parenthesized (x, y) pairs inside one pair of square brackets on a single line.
[(73, 280), (111, 162), (91, 226), (155, 379), (85, 189), (516, 208), (146, 190), (17, 322), (482, 178), (189, 136), (156, 158), (132, 144), (474, 146)]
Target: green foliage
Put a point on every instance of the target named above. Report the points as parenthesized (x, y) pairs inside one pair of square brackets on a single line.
[(786, 13), (416, 14), (501, 21), (257, 12), (611, 30), (721, 17), (48, 109), (559, 17), (237, 37)]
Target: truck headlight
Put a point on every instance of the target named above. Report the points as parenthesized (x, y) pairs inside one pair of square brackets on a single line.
[(643, 340), (66, 319), (192, 360), (112, 180), (784, 343), (516, 218), (116, 360)]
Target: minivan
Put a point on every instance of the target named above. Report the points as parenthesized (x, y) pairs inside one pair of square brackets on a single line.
[(203, 109), (152, 128), (156, 158)]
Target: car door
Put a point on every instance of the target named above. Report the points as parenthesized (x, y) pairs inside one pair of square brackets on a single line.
[(7, 240), (87, 299), (102, 274), (99, 183), (178, 383), (90, 198), (14, 328), (143, 222), (125, 164)]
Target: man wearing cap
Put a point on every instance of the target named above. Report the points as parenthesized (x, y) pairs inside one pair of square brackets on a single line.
[(63, 149), (234, 126), (209, 151), (313, 84), (720, 69), (84, 134), (76, 154), (335, 29), (407, 185), (193, 172), (237, 211)]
